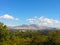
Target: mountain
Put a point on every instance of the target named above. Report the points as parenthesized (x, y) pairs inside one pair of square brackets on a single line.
[(31, 27)]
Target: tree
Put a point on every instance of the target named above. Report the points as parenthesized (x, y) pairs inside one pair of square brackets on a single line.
[(4, 33), (57, 38), (39, 40)]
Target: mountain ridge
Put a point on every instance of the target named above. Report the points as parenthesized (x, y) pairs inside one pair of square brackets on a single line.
[(31, 27)]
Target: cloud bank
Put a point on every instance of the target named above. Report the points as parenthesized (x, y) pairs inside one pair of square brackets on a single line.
[(8, 17), (43, 21)]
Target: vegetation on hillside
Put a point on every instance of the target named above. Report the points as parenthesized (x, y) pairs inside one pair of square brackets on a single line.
[(8, 37)]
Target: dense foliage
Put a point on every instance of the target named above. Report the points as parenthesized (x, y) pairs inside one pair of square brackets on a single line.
[(8, 37)]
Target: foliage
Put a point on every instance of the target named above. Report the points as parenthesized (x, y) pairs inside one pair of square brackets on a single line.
[(8, 37)]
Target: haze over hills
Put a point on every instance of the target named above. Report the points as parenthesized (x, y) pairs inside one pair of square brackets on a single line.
[(36, 23), (31, 27)]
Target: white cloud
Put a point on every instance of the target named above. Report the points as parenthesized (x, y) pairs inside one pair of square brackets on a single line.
[(8, 17), (43, 21)]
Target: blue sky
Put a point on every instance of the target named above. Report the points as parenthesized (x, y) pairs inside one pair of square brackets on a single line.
[(25, 9)]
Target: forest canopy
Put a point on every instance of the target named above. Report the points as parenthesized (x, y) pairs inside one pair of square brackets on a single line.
[(8, 37)]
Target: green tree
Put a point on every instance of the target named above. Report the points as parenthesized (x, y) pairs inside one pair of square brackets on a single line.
[(39, 40), (57, 38), (4, 33)]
